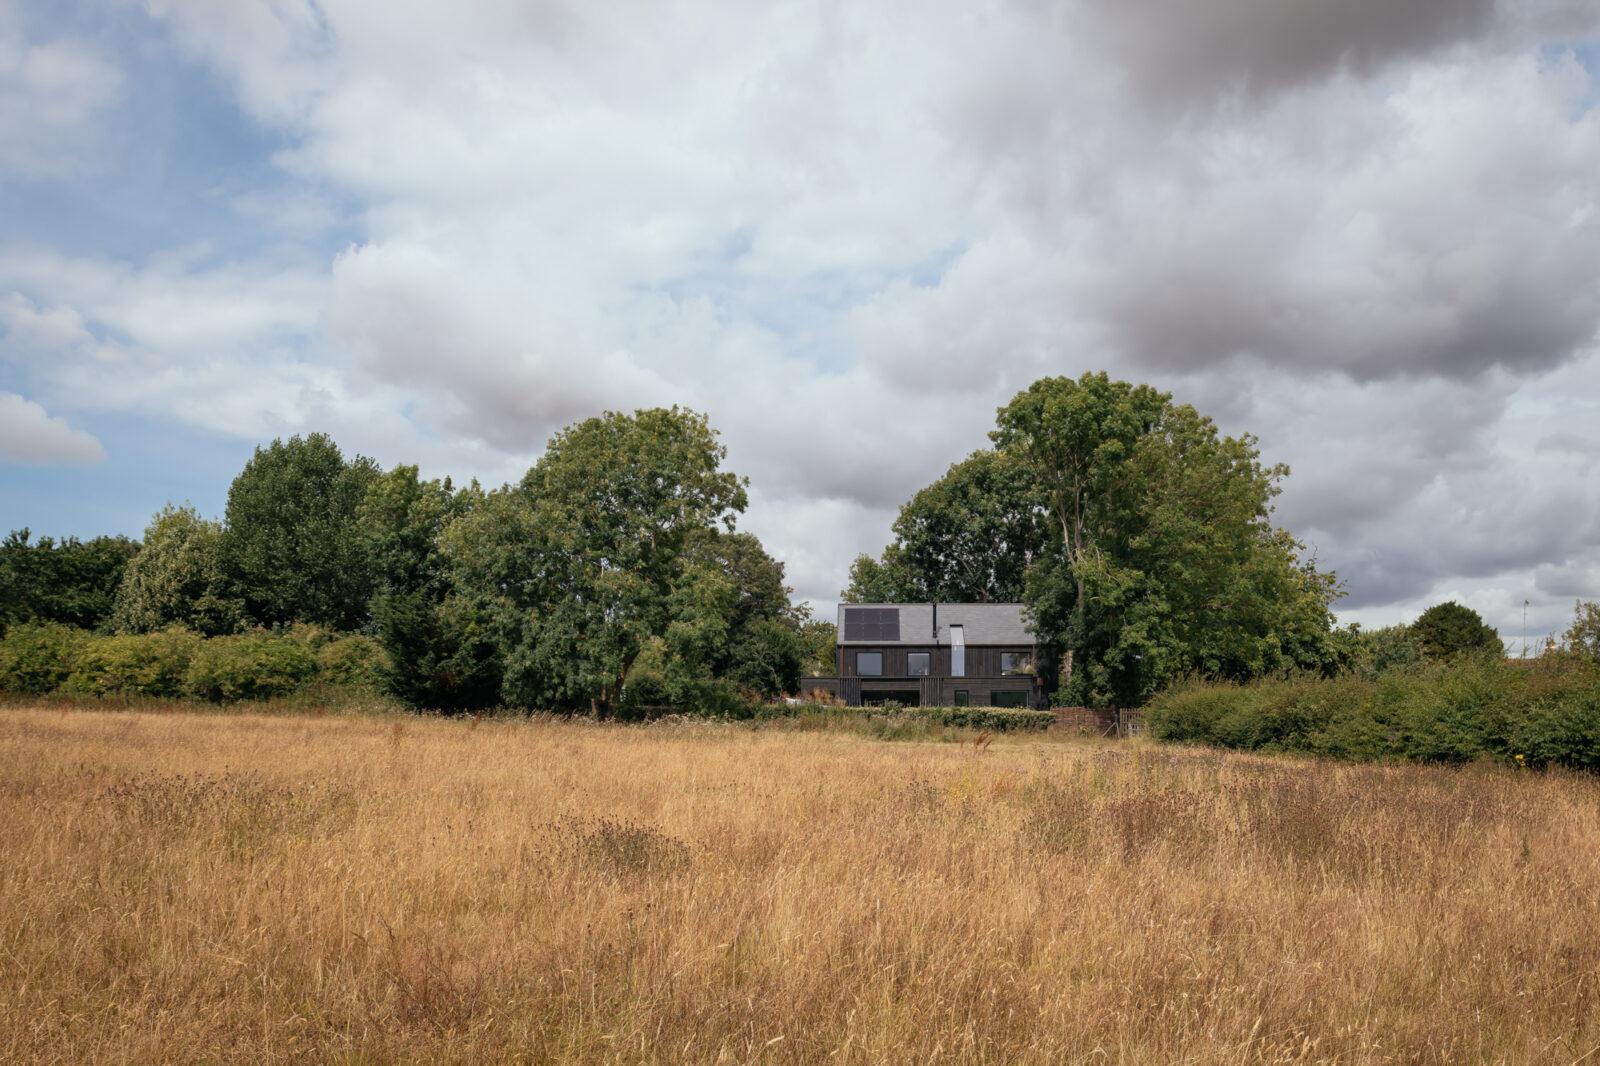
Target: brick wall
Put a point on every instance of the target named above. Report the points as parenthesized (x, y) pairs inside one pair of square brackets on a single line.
[(1098, 721)]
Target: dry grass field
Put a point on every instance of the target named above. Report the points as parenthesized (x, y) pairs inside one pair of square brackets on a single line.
[(193, 887)]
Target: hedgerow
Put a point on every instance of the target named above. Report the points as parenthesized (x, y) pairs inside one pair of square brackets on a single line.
[(1544, 713)]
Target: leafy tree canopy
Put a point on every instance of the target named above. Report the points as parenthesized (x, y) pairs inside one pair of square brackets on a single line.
[(179, 578), (71, 582), (293, 543), (968, 537), (588, 558), (1448, 629)]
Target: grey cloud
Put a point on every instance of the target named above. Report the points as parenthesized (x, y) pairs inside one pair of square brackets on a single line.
[(1177, 53)]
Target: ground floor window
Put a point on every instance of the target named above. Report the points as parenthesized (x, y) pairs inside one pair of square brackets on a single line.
[(963, 697), (1008, 699)]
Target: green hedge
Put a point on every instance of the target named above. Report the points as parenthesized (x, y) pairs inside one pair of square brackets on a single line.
[(145, 664), (994, 719), (37, 660), (1547, 712)]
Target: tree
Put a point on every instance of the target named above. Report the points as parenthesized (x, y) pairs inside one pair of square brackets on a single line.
[(440, 651), (1449, 629), (179, 578), (732, 620), (1583, 637), (1168, 565), (819, 641), (70, 581), (968, 537), (578, 566), (293, 541)]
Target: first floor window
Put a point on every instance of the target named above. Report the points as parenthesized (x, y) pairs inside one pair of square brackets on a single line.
[(917, 664), (869, 663), (1014, 663)]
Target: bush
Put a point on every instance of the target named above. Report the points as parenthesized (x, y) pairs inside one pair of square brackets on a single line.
[(993, 719), (251, 666), (353, 662), (35, 658), (1548, 712), (144, 664)]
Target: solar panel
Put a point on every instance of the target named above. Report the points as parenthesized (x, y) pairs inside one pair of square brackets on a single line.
[(872, 623)]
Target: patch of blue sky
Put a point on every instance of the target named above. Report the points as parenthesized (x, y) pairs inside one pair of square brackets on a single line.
[(149, 462), (175, 161)]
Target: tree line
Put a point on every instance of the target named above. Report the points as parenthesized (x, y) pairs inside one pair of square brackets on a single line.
[(612, 566), (1139, 537)]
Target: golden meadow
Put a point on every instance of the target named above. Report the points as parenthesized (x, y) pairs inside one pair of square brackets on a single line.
[(197, 887)]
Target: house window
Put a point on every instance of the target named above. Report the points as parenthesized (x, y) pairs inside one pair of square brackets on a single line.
[(958, 651), (1008, 699), (869, 663), (1014, 663), (963, 697), (918, 664)]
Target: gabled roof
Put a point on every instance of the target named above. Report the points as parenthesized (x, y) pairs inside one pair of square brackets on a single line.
[(982, 623)]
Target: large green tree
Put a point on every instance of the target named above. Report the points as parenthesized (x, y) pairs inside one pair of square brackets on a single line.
[(441, 654), (70, 581), (1168, 563), (971, 536), (589, 558), (293, 542), (179, 578)]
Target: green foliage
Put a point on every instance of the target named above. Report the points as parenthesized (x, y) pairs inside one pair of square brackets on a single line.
[(71, 582), (251, 666), (1583, 637), (819, 640), (440, 652), (179, 578), (37, 657), (993, 719), (590, 556), (1449, 629), (968, 537), (144, 664), (354, 662), (1547, 712), (294, 543), (1169, 566)]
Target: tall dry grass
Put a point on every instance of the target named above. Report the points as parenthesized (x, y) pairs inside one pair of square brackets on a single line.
[(202, 888)]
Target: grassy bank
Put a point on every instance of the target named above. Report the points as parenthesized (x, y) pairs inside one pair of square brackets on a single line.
[(1536, 714), (204, 887)]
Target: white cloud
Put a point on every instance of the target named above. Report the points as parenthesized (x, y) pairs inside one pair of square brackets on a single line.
[(52, 96), (849, 233), (30, 434)]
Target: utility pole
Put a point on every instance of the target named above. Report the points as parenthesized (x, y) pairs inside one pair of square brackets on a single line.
[(1524, 629)]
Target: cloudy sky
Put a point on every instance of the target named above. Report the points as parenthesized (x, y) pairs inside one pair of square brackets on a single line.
[(1364, 230)]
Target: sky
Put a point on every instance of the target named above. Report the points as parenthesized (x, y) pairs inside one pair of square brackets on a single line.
[(1363, 231)]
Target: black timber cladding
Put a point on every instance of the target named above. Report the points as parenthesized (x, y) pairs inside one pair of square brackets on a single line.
[(872, 623)]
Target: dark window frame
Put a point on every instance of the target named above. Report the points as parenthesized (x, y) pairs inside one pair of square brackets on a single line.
[(963, 697), (861, 672), (1012, 671), (927, 664)]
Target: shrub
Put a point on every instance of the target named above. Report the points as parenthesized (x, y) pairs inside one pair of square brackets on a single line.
[(35, 658), (994, 719), (143, 664), (353, 662), (1444, 713), (250, 666)]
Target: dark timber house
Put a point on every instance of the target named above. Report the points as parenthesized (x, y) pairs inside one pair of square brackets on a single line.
[(933, 654)]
